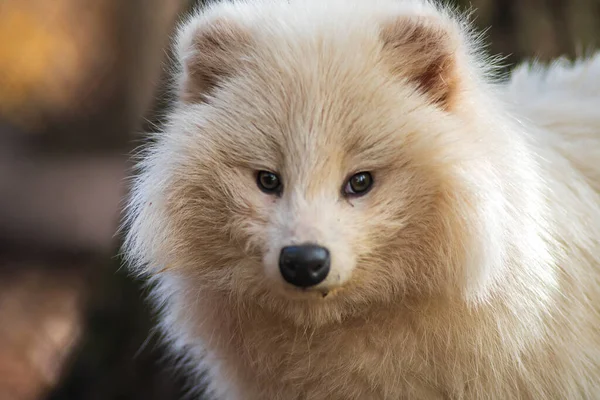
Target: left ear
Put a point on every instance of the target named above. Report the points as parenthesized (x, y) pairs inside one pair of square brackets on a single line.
[(209, 49), (424, 51)]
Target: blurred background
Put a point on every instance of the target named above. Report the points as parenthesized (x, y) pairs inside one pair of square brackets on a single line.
[(80, 82)]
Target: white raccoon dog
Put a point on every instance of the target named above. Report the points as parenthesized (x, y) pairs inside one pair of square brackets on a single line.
[(346, 205)]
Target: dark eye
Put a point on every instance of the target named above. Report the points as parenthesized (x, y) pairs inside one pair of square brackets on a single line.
[(268, 182), (359, 184)]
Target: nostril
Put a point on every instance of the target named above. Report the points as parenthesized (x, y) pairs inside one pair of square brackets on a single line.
[(288, 264), (316, 267)]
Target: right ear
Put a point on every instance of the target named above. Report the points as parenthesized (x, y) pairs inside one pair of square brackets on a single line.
[(208, 50), (425, 51)]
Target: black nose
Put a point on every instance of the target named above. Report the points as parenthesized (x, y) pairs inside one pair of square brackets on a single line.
[(305, 265)]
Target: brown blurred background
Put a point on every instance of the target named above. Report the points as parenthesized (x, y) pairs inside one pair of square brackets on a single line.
[(79, 83)]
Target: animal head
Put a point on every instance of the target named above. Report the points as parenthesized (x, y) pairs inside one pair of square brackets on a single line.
[(323, 157)]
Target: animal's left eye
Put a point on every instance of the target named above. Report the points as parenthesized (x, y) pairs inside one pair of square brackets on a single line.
[(359, 184), (268, 182)]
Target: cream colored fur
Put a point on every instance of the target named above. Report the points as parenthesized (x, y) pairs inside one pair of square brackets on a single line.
[(470, 271)]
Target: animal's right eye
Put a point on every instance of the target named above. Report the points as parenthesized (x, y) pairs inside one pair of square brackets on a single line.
[(359, 184), (268, 182)]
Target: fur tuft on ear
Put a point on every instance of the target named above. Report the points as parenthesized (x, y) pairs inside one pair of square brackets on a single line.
[(208, 49), (424, 51)]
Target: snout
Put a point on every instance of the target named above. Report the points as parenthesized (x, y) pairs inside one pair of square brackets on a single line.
[(304, 265)]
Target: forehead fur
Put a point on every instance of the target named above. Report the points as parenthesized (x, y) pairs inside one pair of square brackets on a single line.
[(302, 81)]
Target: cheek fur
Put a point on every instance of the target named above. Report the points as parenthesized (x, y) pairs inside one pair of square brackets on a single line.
[(403, 236)]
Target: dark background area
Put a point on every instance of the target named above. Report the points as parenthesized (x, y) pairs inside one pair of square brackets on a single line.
[(79, 84)]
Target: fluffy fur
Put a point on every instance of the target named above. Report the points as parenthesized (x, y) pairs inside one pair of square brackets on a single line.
[(470, 271)]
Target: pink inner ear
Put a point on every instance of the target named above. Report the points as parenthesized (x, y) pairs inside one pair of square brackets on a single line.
[(423, 51), (213, 53)]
